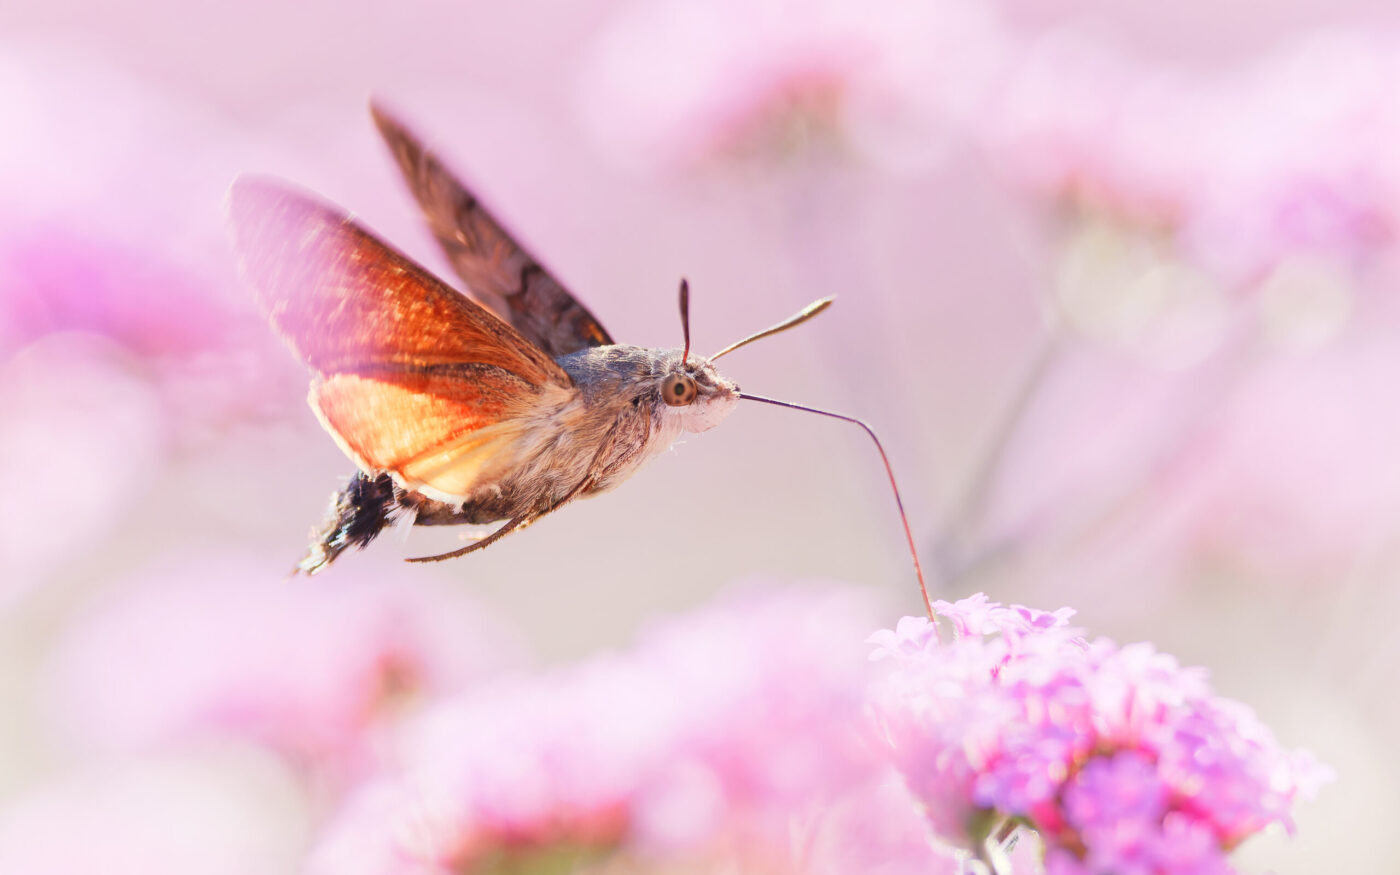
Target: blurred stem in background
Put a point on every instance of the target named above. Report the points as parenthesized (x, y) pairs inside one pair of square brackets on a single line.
[(960, 549), (970, 544)]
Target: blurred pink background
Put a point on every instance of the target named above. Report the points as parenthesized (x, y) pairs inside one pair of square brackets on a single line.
[(1116, 287)]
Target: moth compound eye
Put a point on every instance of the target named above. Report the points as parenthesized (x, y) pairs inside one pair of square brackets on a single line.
[(678, 390)]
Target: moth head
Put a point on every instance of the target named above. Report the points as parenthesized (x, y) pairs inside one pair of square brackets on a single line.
[(690, 388), (689, 384)]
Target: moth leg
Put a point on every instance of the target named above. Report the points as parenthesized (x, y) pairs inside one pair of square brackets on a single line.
[(596, 469), (511, 525)]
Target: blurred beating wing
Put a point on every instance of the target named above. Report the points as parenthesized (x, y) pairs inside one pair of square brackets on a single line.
[(494, 266), (413, 378)]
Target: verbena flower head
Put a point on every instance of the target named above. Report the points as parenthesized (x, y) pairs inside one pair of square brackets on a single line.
[(741, 736), (708, 740), (1122, 759)]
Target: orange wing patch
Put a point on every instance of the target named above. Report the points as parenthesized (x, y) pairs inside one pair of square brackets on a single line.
[(414, 378), (438, 432)]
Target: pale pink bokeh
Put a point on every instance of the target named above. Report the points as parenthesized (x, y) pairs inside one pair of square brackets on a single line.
[(879, 828), (1297, 472), (215, 812), (683, 82), (104, 233), (1281, 147), (81, 436), (314, 668), (113, 237), (1291, 153)]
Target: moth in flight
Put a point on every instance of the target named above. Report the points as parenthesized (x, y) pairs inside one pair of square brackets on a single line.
[(454, 413)]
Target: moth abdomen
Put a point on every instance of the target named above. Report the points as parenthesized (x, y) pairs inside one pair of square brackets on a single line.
[(357, 514)]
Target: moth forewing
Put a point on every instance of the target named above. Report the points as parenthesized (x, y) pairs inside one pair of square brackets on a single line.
[(488, 258), (454, 414)]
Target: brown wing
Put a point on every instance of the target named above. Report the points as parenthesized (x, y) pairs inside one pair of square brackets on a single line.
[(496, 268), (413, 378)]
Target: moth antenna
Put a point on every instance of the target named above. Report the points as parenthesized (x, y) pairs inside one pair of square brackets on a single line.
[(899, 502), (685, 318), (793, 321)]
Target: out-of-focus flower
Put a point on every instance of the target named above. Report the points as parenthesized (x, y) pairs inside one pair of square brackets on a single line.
[(103, 234), (1245, 169), (878, 829), (1118, 756), (683, 81), (1297, 473), (217, 646), (80, 434), (63, 275), (223, 812), (743, 736), (705, 741), (100, 232), (1134, 289), (514, 769), (1208, 216)]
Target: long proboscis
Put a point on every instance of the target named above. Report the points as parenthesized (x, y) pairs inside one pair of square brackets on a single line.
[(806, 313), (899, 502)]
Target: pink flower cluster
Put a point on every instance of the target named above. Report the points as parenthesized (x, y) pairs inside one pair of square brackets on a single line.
[(676, 83), (752, 733), (712, 739), (1119, 757), (1289, 153), (1292, 153)]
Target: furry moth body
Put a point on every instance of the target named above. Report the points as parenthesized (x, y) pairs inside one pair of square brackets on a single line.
[(451, 412)]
